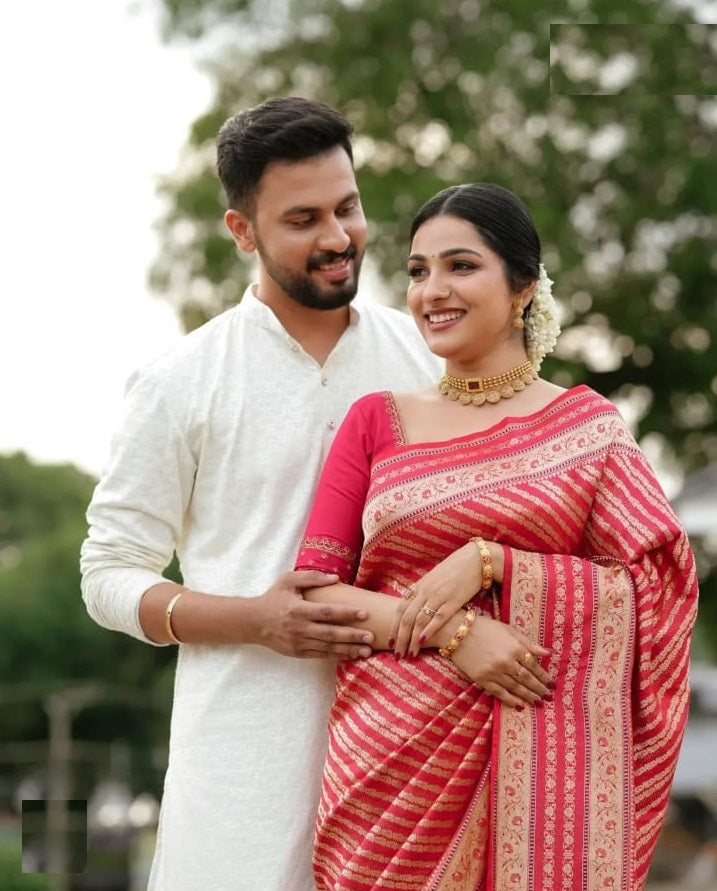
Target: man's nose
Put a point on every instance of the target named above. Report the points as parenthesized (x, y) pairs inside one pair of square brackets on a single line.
[(333, 236)]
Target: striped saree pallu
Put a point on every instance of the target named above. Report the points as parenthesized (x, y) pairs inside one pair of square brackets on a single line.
[(429, 784)]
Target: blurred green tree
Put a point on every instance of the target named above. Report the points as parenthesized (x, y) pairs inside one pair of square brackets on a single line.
[(598, 113), (47, 640)]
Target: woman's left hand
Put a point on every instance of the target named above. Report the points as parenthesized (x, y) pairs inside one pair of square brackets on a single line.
[(430, 602)]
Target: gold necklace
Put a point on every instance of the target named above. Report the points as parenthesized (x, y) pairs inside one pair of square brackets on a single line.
[(478, 390)]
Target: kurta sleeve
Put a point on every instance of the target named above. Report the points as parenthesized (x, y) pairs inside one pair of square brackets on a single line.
[(137, 511), (333, 536)]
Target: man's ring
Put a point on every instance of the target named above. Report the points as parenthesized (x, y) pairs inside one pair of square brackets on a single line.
[(428, 611), (527, 659), (409, 593)]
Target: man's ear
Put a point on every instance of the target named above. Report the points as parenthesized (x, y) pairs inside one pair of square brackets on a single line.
[(241, 230)]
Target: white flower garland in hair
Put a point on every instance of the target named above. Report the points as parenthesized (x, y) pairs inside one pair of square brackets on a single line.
[(541, 322)]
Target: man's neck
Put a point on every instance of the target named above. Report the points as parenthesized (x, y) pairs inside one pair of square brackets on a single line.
[(316, 330)]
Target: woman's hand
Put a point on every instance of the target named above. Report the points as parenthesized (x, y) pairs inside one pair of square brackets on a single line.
[(438, 596), (504, 663)]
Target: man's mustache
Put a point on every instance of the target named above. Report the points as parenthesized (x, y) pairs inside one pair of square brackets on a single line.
[(332, 257)]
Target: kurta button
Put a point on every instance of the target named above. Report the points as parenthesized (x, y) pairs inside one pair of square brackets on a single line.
[(324, 382), (331, 425)]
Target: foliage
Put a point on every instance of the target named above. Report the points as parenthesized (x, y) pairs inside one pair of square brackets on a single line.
[(11, 877), (622, 187), (47, 640)]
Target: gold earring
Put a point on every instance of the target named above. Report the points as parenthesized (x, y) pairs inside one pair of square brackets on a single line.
[(518, 322)]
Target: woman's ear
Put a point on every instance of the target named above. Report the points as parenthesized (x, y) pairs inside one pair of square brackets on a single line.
[(525, 297)]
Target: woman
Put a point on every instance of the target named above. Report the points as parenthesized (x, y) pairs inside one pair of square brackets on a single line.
[(519, 528)]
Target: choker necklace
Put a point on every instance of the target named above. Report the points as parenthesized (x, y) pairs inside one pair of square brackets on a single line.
[(478, 390)]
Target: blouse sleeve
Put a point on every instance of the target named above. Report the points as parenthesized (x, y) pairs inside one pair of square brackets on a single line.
[(333, 536)]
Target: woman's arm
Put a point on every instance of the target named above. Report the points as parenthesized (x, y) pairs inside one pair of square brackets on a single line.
[(491, 655), (445, 589)]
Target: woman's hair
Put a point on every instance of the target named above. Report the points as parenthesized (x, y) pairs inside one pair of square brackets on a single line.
[(500, 218), (284, 129)]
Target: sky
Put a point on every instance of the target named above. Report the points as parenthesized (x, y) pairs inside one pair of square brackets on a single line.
[(95, 109)]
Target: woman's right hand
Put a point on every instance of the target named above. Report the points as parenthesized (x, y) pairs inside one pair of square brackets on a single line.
[(496, 658)]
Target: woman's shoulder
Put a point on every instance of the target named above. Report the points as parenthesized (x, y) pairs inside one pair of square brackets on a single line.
[(592, 400), (381, 414)]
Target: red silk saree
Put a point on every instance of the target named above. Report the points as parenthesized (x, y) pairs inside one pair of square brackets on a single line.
[(430, 784)]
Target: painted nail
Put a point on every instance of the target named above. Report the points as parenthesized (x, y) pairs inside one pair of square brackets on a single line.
[(397, 656), (519, 708), (548, 696), (551, 685), (421, 640), (392, 643)]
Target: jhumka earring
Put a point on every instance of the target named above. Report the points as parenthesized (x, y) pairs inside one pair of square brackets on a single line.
[(518, 322)]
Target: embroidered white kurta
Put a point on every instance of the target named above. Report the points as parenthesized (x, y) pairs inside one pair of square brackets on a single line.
[(218, 455)]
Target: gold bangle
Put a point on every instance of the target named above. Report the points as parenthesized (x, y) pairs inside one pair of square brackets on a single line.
[(168, 618), (460, 634), (486, 564)]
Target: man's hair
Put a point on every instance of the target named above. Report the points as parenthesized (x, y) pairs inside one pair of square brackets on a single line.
[(283, 129)]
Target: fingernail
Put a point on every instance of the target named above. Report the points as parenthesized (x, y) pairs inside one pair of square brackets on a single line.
[(520, 708), (365, 652), (548, 696), (392, 643), (551, 685), (538, 703), (367, 638), (397, 656), (421, 640)]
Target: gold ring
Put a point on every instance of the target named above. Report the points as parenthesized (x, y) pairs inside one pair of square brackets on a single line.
[(409, 593), (428, 611), (527, 659)]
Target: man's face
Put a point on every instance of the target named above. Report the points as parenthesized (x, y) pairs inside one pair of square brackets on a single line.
[(309, 231)]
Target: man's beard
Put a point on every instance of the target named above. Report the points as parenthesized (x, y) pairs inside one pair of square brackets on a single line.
[(301, 288)]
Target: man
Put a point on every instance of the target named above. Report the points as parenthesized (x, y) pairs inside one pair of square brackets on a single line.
[(218, 455)]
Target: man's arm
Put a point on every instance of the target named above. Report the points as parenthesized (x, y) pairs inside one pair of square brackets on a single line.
[(279, 619), (135, 522)]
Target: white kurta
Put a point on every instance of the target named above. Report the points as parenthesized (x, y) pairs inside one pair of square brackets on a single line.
[(218, 456)]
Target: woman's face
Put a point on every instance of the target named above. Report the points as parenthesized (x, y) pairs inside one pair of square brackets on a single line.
[(458, 293)]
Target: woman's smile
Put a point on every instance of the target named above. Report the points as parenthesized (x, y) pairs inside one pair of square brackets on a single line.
[(440, 320)]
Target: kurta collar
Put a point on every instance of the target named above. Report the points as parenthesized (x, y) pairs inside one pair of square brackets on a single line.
[(259, 313)]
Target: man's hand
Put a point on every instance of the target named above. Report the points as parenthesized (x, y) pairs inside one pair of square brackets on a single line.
[(286, 623)]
